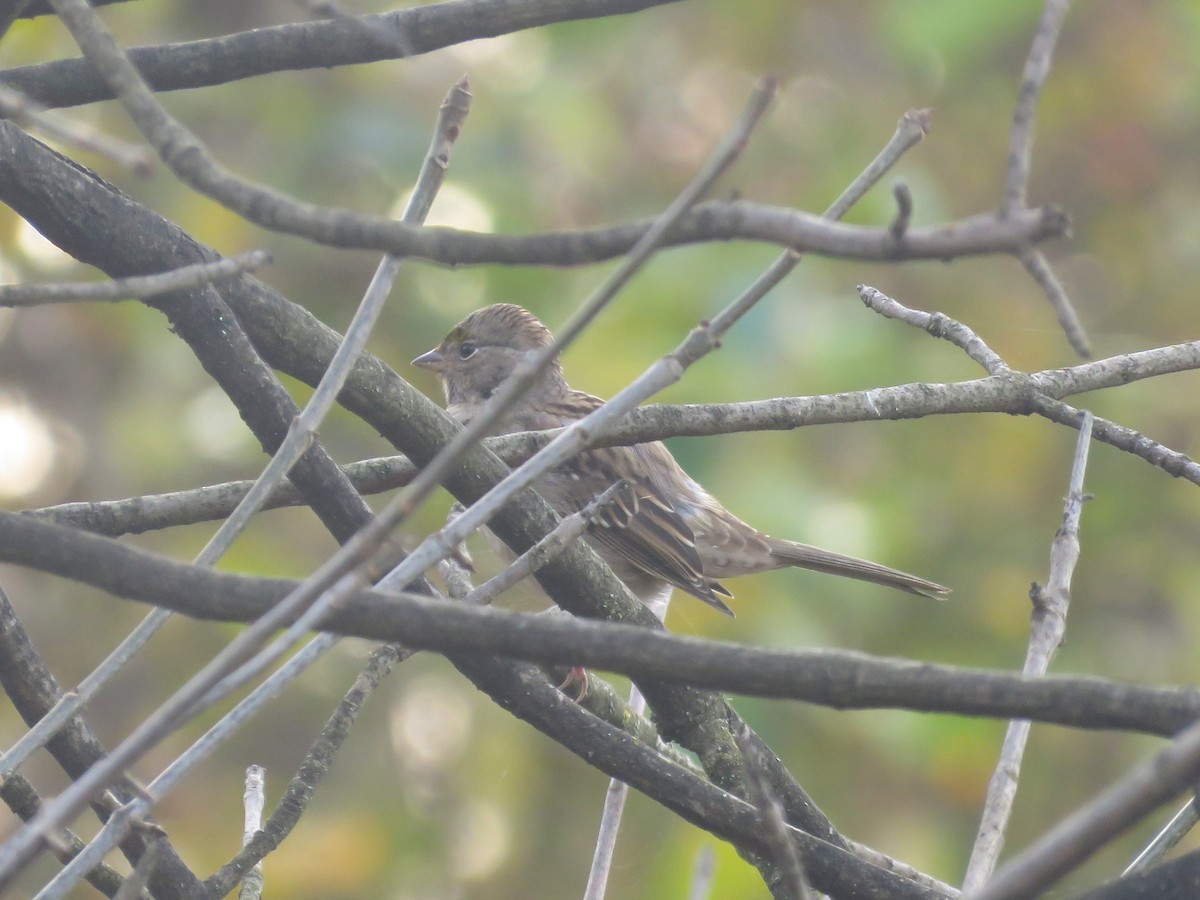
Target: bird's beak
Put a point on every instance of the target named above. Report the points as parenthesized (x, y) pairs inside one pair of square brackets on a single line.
[(432, 360)]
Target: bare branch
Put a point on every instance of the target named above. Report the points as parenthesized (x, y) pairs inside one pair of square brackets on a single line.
[(1047, 629), (714, 221), (33, 690), (1172, 833), (133, 887), (138, 287), (308, 777), (308, 45), (1041, 272), (301, 436), (1037, 69), (834, 678), (151, 512), (792, 881), (253, 801), (1081, 834), (31, 115), (21, 797), (1033, 78)]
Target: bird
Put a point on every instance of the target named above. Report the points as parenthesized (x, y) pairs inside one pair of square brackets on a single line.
[(661, 529)]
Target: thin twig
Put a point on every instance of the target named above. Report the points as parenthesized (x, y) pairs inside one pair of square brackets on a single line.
[(904, 210), (1037, 393), (138, 287), (253, 801), (21, 797), (938, 325), (140, 877), (910, 131), (618, 791), (1047, 628), (1037, 69), (787, 860), (31, 115), (565, 532), (1172, 833), (314, 768), (1016, 185), (1039, 268), (389, 31)]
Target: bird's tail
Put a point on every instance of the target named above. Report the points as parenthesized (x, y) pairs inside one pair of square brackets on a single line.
[(805, 557)]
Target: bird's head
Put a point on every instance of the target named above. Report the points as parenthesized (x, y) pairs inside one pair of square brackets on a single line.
[(484, 349)]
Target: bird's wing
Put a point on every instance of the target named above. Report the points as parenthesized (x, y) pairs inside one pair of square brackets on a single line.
[(640, 522)]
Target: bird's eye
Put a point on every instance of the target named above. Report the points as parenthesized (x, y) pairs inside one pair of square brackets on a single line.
[(466, 350)]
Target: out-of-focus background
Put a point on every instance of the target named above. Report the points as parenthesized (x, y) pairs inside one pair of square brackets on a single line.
[(439, 794)]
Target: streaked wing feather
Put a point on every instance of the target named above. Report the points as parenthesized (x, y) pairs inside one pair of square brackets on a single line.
[(639, 523)]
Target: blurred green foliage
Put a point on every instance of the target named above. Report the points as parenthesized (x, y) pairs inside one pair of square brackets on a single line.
[(439, 793)]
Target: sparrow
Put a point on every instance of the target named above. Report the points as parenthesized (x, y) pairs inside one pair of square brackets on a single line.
[(661, 529)]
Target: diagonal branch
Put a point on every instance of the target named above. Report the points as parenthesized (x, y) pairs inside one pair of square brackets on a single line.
[(1074, 839)]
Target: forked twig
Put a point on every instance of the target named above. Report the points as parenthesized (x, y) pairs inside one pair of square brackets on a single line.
[(1016, 185)]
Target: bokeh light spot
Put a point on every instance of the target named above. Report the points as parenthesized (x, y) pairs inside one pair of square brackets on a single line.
[(27, 447)]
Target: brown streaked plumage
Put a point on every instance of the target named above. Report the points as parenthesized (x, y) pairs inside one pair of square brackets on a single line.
[(663, 529)]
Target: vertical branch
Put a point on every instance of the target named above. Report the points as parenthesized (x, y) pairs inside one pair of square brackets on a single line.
[(1046, 634), (1016, 185), (1033, 78), (618, 791), (792, 881), (253, 801)]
